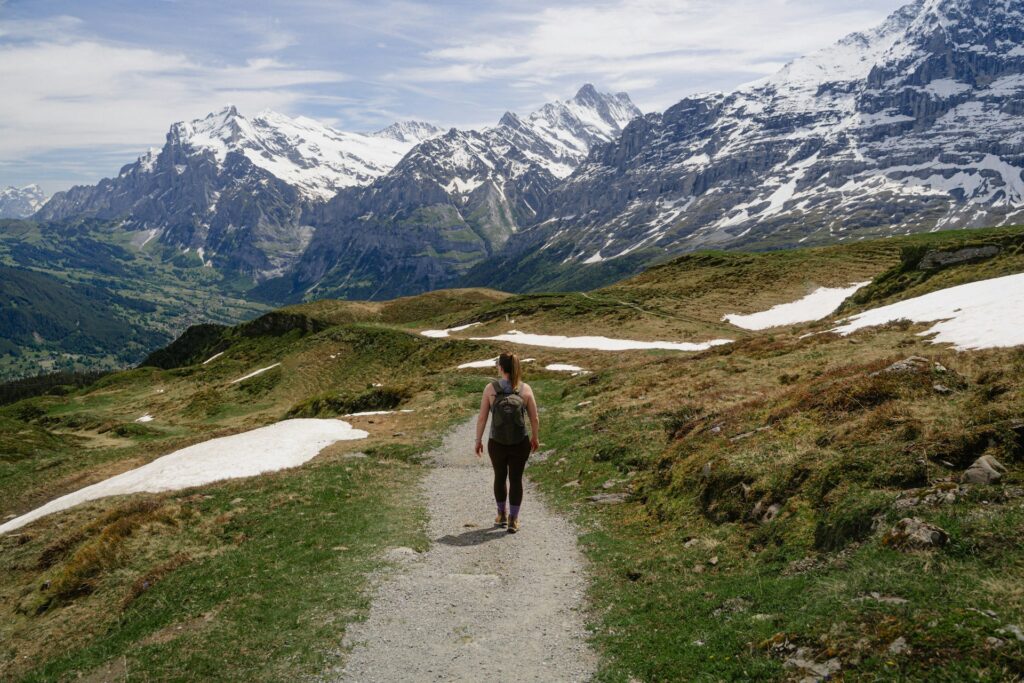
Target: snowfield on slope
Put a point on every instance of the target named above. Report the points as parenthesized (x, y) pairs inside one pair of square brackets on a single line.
[(253, 374), (565, 367), (486, 363), (597, 343), (440, 334), (285, 444), (368, 413), (815, 306), (979, 315)]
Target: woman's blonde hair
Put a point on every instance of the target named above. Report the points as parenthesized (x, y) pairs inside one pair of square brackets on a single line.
[(509, 363)]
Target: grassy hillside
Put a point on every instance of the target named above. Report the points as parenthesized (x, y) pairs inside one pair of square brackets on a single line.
[(760, 482)]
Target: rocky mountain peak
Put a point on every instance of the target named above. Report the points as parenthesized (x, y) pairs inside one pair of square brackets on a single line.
[(510, 119), (19, 202), (409, 131)]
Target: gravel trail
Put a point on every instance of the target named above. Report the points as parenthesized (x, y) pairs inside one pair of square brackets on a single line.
[(481, 604)]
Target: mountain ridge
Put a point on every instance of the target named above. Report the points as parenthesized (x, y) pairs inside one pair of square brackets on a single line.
[(451, 202), (233, 189), (911, 126), (248, 195)]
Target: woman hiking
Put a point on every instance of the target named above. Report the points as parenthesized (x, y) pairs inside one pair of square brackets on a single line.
[(509, 401)]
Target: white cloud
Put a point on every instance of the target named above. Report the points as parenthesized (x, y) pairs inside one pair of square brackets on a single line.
[(109, 80), (81, 93), (642, 44)]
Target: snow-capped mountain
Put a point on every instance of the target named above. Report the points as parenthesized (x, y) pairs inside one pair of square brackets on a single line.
[(408, 132), (304, 153), (453, 200), (234, 188), (20, 202), (915, 125)]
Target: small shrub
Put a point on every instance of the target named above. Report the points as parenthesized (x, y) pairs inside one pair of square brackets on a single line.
[(850, 517), (27, 412), (94, 549), (59, 549), (330, 405), (681, 421), (152, 577), (130, 429), (721, 496), (205, 403), (80, 574)]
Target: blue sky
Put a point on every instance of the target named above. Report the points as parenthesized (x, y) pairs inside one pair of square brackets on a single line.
[(89, 85)]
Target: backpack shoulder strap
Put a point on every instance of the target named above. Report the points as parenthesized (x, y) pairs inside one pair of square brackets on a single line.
[(497, 387)]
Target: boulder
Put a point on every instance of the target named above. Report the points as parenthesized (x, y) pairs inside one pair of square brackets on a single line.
[(401, 554), (898, 646), (911, 364), (772, 512), (984, 470), (609, 498), (808, 670), (1012, 630), (911, 533), (875, 596), (934, 260)]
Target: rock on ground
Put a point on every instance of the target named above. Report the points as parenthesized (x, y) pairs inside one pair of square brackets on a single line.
[(480, 604), (984, 470), (910, 533)]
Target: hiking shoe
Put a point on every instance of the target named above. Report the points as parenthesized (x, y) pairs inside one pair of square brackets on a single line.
[(501, 520), (513, 525)]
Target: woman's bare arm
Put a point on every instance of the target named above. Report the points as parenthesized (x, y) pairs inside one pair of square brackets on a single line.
[(481, 419), (531, 410)]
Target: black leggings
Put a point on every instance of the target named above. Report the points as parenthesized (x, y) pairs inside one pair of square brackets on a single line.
[(509, 463)]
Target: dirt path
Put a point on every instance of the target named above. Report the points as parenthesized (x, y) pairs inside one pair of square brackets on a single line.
[(481, 604)]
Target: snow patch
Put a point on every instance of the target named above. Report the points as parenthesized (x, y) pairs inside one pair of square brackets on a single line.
[(145, 418), (979, 315), (366, 413), (213, 358), (460, 186), (253, 374), (815, 306), (597, 343), (438, 334), (489, 363), (946, 87), (289, 443), (150, 234), (565, 367)]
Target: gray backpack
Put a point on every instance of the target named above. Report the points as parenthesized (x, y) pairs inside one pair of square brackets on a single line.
[(508, 416)]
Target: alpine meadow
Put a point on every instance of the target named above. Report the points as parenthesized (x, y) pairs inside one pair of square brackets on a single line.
[(297, 296)]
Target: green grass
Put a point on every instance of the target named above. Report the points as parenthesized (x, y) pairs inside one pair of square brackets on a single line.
[(274, 569), (665, 610), (690, 581)]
